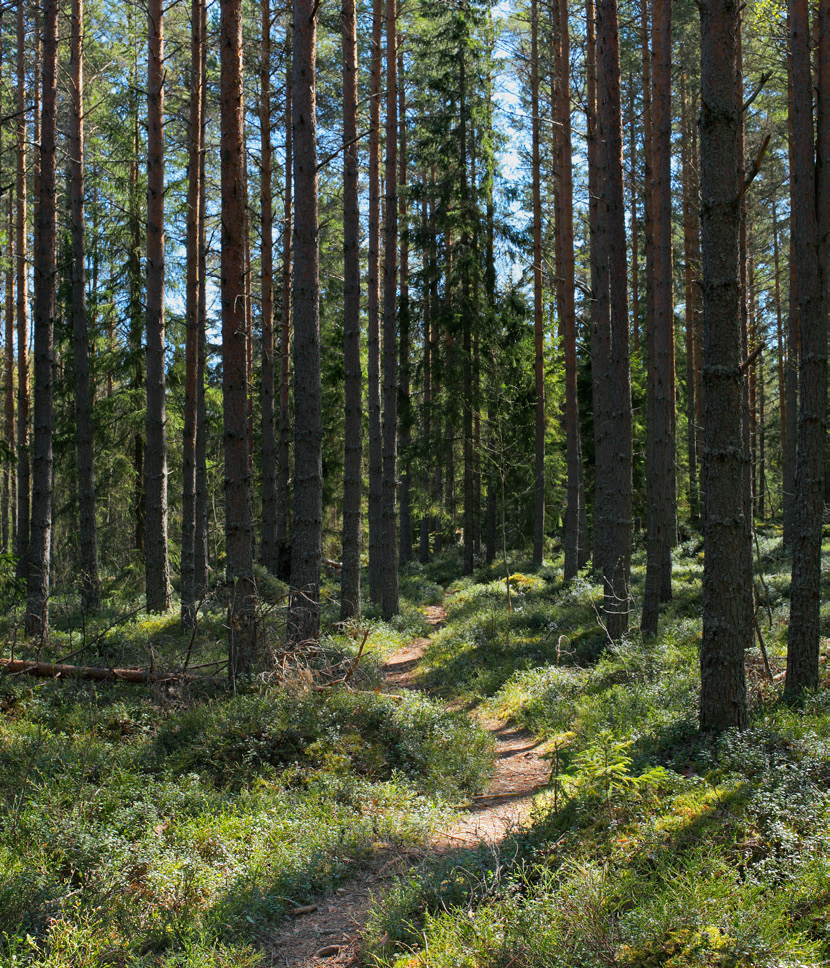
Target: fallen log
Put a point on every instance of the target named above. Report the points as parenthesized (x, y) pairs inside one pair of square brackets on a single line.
[(52, 670)]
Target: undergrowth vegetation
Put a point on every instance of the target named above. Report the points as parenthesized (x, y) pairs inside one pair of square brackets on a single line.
[(177, 824), (651, 845)]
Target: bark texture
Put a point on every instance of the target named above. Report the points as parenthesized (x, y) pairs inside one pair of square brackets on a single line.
[(353, 460), (304, 610), (156, 562), (538, 307), (575, 553), (268, 548), (373, 315), (284, 443), (22, 246), (201, 553), (238, 524), (9, 493), (38, 572), (617, 569), (661, 481), (805, 590), (389, 578), (191, 403), (727, 588), (90, 582), (690, 279), (404, 347)]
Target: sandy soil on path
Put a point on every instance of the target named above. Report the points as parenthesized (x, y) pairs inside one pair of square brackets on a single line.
[(328, 933)]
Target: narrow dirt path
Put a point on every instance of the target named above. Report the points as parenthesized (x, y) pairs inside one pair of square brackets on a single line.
[(329, 932)]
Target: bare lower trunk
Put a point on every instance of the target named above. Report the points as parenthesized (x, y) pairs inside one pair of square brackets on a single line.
[(467, 311), (690, 300), (635, 242), (793, 344), (426, 408), (352, 465), (574, 554), (306, 537), (201, 550), (600, 335), (805, 595), (618, 563), (238, 524), (405, 405), (727, 588), (39, 560), (389, 579), (538, 320), (661, 497), (9, 495), (90, 583), (22, 546), (373, 315), (157, 566), (268, 548), (779, 332), (191, 404), (284, 442)]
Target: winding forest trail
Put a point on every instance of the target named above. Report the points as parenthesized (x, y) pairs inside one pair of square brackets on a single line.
[(329, 932)]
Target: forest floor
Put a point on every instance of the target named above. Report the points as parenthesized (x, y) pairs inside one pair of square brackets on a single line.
[(494, 784), (330, 930)]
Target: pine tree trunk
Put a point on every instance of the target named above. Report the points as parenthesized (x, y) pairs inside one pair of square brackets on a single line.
[(648, 215), (38, 571), (822, 24), (90, 582), (157, 566), (426, 408), (353, 462), (600, 336), (779, 332), (268, 548), (466, 327), (201, 551), (762, 441), (238, 525), (575, 555), (284, 442), (661, 490), (306, 535), (635, 243), (793, 343), (805, 598), (727, 588), (617, 573), (698, 301), (389, 578), (9, 495), (373, 315), (404, 349), (5, 487), (249, 340), (743, 251), (688, 246), (752, 343), (437, 523), (191, 405), (22, 545), (538, 309), (490, 295)]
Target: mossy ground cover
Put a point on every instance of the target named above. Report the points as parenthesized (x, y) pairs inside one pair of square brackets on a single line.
[(653, 845), (176, 825)]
